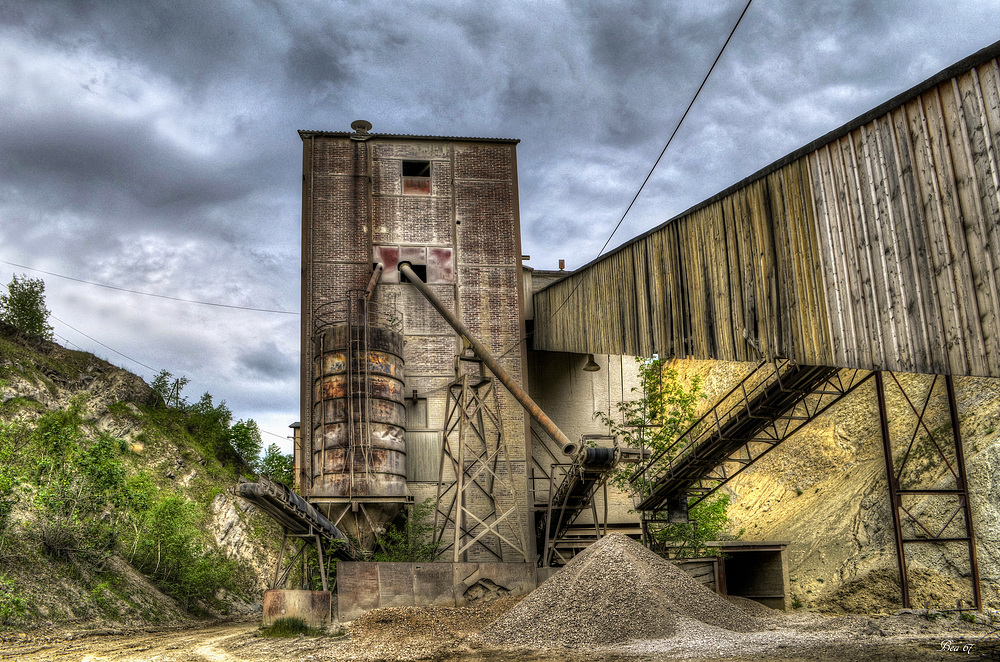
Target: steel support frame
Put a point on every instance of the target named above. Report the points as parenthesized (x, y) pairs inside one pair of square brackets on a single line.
[(473, 421), (780, 429), (308, 539), (897, 492)]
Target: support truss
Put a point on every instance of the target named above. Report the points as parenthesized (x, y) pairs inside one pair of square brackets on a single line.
[(928, 490), (476, 498), (309, 541), (769, 405)]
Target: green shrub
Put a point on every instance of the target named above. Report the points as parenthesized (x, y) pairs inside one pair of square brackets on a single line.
[(708, 521), (12, 441), (412, 541), (167, 546), (12, 604)]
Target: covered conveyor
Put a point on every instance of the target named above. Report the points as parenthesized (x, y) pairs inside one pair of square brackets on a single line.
[(296, 515)]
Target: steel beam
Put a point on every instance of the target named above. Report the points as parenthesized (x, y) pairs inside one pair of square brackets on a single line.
[(896, 492), (568, 447)]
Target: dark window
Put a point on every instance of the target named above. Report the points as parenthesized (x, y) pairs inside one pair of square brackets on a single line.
[(417, 177), (419, 270)]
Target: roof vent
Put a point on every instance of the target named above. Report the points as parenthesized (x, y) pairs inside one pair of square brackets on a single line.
[(361, 126)]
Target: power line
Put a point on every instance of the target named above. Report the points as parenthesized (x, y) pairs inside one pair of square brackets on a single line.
[(657, 162), (103, 345), (126, 356), (150, 294), (67, 340)]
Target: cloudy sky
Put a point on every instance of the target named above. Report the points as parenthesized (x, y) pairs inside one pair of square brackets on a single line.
[(151, 145)]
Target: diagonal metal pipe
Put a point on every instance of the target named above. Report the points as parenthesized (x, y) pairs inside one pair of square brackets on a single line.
[(568, 447)]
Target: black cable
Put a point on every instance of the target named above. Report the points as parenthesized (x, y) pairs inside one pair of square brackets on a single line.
[(127, 357), (150, 294), (67, 340), (103, 345), (662, 152)]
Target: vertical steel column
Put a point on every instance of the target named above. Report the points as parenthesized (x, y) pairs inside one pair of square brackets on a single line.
[(460, 472), (963, 486), (897, 492), (894, 500)]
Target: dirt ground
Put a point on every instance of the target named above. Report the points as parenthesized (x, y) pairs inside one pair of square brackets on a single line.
[(446, 634)]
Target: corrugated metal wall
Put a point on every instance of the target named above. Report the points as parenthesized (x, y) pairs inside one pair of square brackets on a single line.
[(877, 246)]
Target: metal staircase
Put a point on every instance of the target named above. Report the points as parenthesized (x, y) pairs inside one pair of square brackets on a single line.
[(575, 492), (771, 403)]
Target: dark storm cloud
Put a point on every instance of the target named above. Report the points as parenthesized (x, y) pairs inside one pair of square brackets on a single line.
[(134, 169), (265, 360), (152, 144), (180, 37)]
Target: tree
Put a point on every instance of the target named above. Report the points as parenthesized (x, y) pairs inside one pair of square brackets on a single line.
[(245, 439), (663, 410), (23, 307), (169, 389), (277, 466)]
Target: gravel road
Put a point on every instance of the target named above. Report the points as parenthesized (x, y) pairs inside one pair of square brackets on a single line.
[(614, 602), (796, 637)]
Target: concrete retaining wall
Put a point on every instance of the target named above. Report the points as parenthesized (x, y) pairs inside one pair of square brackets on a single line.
[(365, 586)]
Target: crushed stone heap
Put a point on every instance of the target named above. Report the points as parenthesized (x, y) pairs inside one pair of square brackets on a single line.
[(614, 591)]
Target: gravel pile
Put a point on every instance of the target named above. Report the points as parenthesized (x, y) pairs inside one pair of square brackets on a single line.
[(614, 591), (753, 607)]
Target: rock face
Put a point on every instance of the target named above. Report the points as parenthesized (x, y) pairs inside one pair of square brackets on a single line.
[(825, 491), (235, 536)]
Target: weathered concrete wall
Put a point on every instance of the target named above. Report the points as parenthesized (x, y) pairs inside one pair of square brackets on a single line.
[(313, 607), (362, 587)]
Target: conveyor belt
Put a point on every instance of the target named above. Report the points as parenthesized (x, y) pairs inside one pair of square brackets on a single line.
[(717, 445), (296, 514), (574, 494)]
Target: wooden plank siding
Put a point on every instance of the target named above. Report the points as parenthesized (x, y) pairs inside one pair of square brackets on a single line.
[(874, 247)]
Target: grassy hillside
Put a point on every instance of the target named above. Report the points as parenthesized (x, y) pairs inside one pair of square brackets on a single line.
[(113, 506)]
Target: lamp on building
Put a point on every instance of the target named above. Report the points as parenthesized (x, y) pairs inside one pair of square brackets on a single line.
[(591, 364)]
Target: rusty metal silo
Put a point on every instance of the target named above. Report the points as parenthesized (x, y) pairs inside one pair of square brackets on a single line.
[(358, 454)]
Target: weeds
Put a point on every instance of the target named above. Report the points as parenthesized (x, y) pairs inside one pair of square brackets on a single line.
[(12, 605), (286, 627), (412, 541)]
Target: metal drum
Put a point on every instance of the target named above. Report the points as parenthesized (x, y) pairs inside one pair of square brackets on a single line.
[(359, 417)]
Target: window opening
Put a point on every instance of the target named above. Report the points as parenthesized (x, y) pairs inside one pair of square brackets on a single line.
[(419, 270), (416, 177)]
